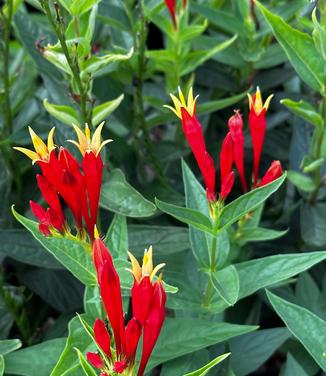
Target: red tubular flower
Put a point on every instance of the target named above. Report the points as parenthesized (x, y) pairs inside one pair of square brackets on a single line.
[(95, 360), (274, 172), (153, 325), (257, 126), (50, 195), (226, 162), (42, 215), (171, 5), (110, 289), (148, 314), (78, 185), (102, 337), (186, 111), (236, 130), (133, 333)]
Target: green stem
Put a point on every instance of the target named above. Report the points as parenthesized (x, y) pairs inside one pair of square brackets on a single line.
[(6, 74), (5, 143), (319, 136), (209, 289), (140, 121), (57, 25)]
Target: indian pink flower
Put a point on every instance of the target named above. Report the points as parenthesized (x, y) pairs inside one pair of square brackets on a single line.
[(235, 124), (63, 176), (186, 111), (148, 312), (274, 172), (257, 126)]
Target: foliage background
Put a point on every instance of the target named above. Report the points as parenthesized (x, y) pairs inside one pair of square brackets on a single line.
[(38, 297)]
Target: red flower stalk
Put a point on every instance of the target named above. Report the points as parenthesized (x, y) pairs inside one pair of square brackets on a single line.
[(171, 5), (186, 111), (78, 185), (257, 126), (236, 130), (273, 173), (148, 305)]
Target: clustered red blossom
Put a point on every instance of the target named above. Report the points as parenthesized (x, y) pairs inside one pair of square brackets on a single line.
[(232, 151), (64, 179), (148, 307)]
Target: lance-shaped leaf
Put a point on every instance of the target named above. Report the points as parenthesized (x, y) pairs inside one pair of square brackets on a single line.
[(73, 254), (181, 336), (248, 202), (77, 337), (258, 234), (205, 369), (300, 49), (96, 63), (65, 114), (226, 283), (121, 198), (103, 110), (9, 345), (307, 327), (266, 271), (185, 215), (305, 110)]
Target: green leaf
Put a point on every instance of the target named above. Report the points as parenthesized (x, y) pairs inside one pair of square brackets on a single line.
[(223, 20), (117, 237), (257, 234), (185, 215), (20, 245), (204, 370), (313, 224), (96, 63), (73, 254), (181, 336), (248, 202), (103, 110), (299, 48), (77, 338), (2, 365), (252, 350), (41, 357), (196, 199), (65, 114), (121, 198), (166, 240), (197, 58), (305, 110), (87, 368), (301, 181), (292, 367), (308, 328), (78, 7), (226, 283), (9, 345), (267, 271)]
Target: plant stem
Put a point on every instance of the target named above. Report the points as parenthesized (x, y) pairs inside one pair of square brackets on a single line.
[(6, 74), (140, 121), (57, 25), (212, 269), (317, 153)]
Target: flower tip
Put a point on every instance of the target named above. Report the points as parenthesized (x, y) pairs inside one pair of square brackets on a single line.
[(96, 233)]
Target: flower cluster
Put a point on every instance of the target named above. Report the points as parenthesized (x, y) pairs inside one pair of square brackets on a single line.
[(63, 178), (148, 308), (232, 151)]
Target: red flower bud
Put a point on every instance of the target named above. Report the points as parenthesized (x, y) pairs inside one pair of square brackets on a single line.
[(274, 172), (171, 5), (95, 360), (236, 130), (226, 162), (102, 337)]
